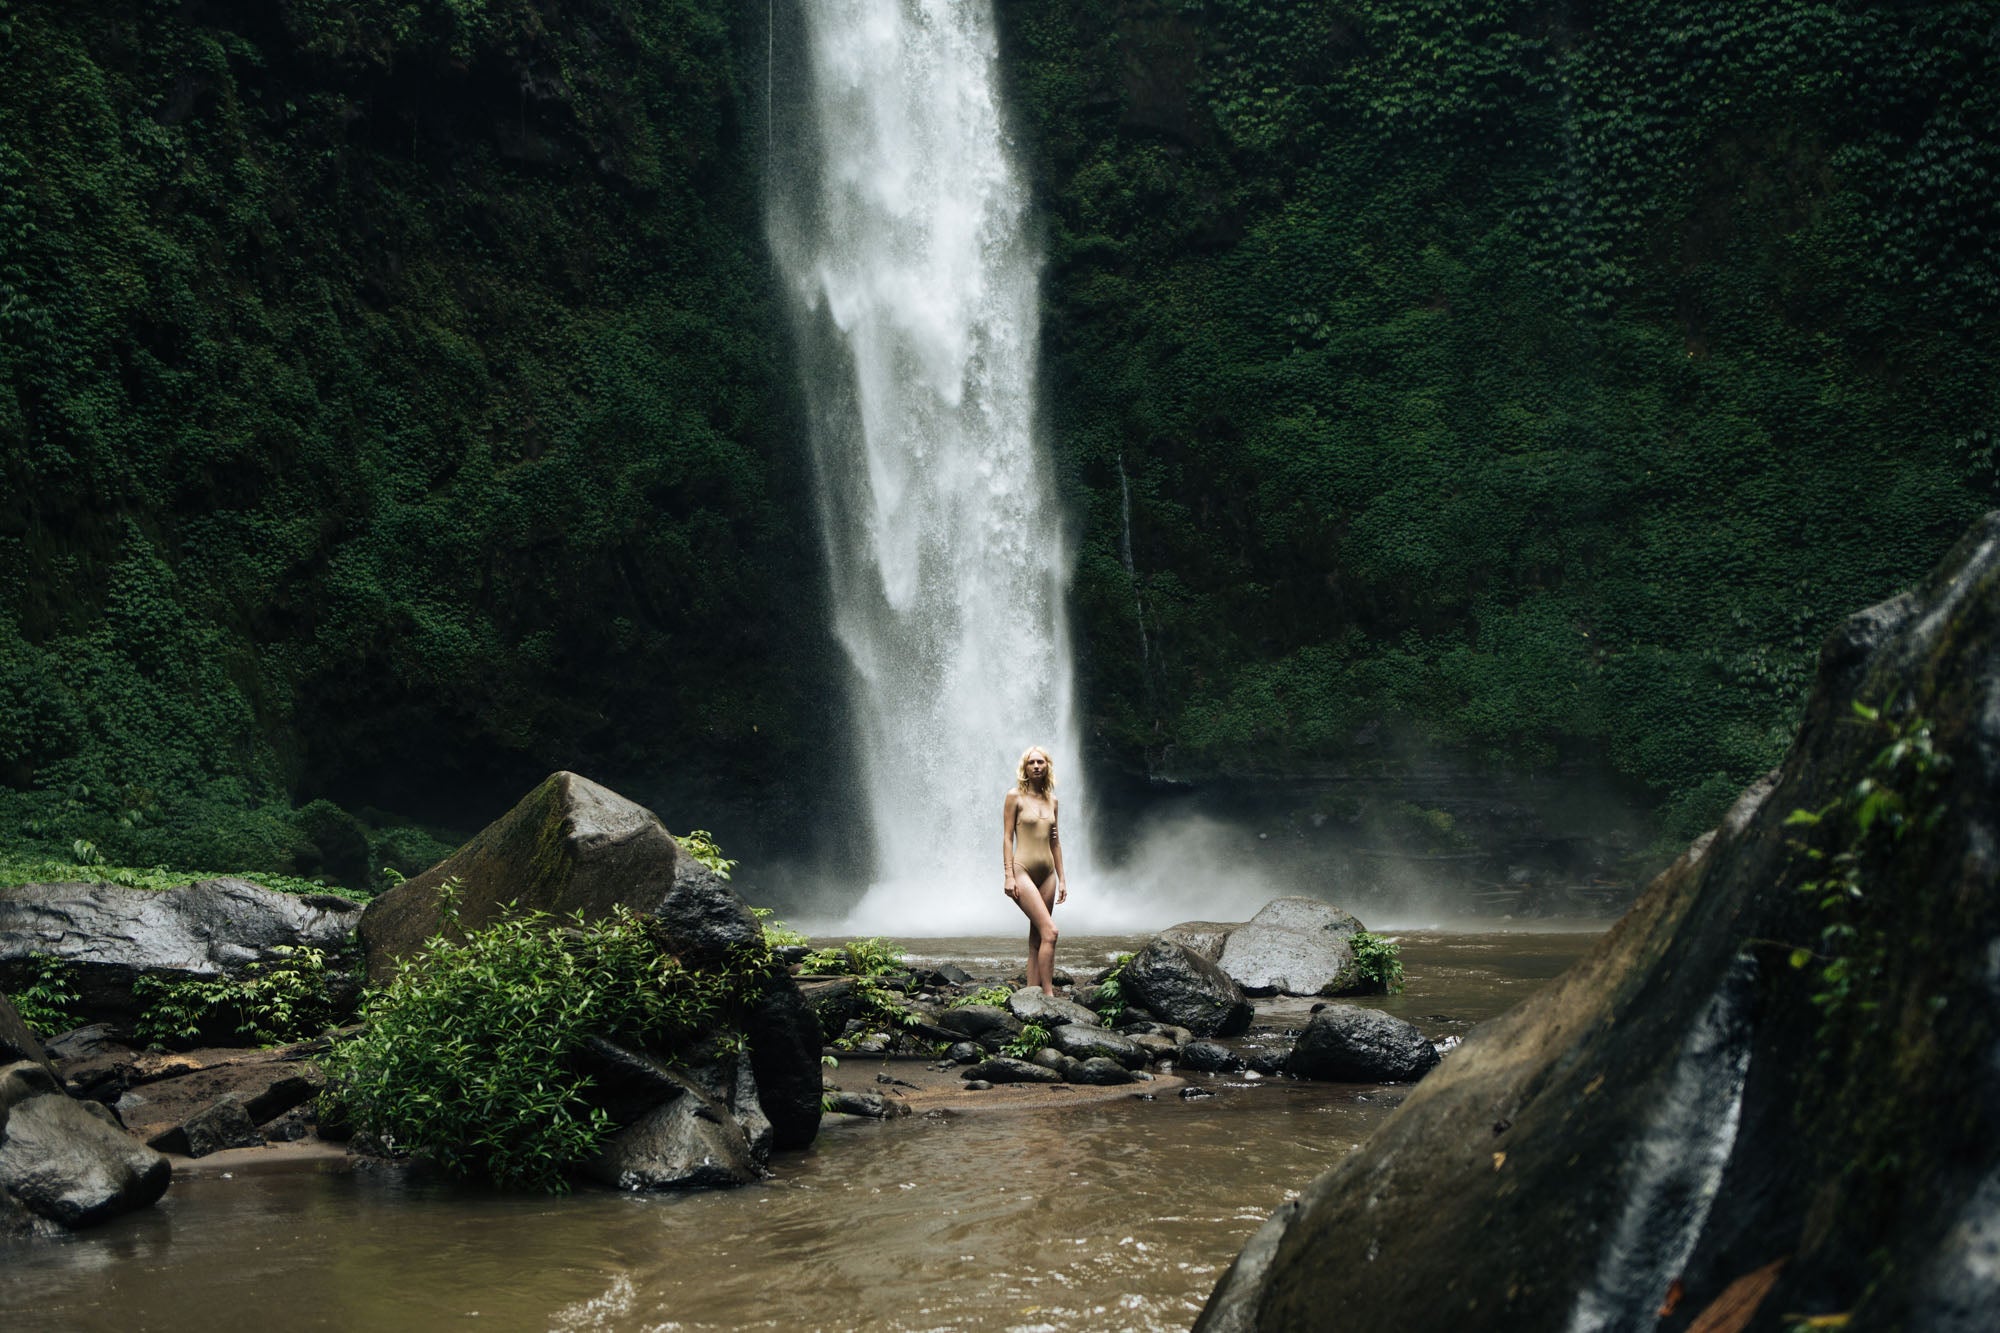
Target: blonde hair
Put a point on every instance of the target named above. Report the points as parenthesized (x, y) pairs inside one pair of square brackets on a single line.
[(1021, 783)]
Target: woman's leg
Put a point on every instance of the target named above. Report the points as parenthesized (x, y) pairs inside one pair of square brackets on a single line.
[(1034, 903)]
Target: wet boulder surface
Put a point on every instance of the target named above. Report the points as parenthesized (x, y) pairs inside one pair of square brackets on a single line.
[(64, 1163), (1179, 986), (1293, 946), (1346, 1044), (1774, 1087), (109, 935)]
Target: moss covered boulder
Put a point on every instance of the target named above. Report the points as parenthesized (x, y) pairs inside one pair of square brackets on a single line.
[(1773, 1089), (569, 846)]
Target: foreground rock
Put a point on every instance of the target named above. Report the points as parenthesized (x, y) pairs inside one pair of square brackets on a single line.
[(1085, 1043), (574, 847), (1700, 1117), (1346, 1044), (66, 1163), (1181, 987), (1029, 1005), (110, 935), (1293, 946)]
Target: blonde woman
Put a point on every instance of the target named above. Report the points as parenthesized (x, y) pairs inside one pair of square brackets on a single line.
[(1031, 860)]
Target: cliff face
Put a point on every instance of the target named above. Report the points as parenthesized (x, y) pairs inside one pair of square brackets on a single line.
[(1771, 1092), (391, 406), (1517, 378)]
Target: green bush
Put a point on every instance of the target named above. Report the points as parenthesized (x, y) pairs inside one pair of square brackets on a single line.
[(1377, 962), (701, 845), (1109, 1002), (268, 1003), (997, 996), (466, 1059), (1031, 1039), (856, 958), (44, 1001)]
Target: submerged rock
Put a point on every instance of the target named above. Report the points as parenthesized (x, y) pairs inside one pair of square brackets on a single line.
[(109, 935), (1207, 1057), (1347, 1044), (692, 1142), (1726, 1104), (1181, 987), (1293, 946)]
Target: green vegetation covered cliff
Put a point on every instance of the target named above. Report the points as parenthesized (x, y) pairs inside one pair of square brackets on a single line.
[(1535, 378), (394, 407), (391, 409)]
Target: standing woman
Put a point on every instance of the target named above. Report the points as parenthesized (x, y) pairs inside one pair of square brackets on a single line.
[(1031, 859)]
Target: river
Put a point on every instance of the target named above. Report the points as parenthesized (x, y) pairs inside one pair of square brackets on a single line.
[(1119, 1214)]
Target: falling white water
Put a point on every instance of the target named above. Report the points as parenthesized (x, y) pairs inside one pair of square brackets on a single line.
[(948, 568)]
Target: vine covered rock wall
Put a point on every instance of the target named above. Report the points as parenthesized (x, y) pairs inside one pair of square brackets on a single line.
[(1523, 379), (391, 408)]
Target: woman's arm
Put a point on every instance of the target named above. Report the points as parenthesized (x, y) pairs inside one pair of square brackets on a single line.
[(1010, 813), (1055, 845)]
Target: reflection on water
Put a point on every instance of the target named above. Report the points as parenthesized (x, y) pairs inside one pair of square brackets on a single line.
[(1120, 1215)]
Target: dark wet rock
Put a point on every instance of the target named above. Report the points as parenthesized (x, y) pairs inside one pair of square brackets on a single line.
[(1683, 1109), (963, 1053), (872, 1105), (980, 1020), (1156, 1047), (89, 1042), (109, 935), (67, 1162), (624, 1082), (977, 1085), (691, 1142), (1179, 1036), (1085, 1043), (569, 846), (1347, 1044), (224, 1123), (1207, 1057), (1293, 946), (1195, 1093), (1206, 938), (1266, 1064), (1031, 1006), (1006, 1069), (785, 1040), (951, 974), (1099, 1072), (18, 1041), (1181, 987), (791, 955)]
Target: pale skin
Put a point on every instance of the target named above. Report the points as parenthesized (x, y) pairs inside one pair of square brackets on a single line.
[(1035, 887)]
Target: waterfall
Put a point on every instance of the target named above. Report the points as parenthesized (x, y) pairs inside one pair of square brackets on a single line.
[(901, 231)]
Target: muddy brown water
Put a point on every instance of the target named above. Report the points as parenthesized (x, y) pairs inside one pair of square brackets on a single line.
[(1114, 1215)]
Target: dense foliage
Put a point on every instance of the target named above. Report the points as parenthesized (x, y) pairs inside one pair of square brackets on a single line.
[(467, 1057), (1538, 379), (391, 409)]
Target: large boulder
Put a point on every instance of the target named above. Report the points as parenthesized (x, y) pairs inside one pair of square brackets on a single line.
[(1206, 938), (1006, 1069), (110, 935), (569, 847), (1293, 946), (1751, 1102), (980, 1020), (785, 1043), (1181, 987), (1347, 1044), (691, 1142), (64, 1161)]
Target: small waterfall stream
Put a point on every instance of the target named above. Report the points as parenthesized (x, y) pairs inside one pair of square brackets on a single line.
[(902, 236)]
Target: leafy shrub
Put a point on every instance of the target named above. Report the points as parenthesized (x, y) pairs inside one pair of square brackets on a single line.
[(856, 958), (1109, 1002), (17, 868), (1032, 1038), (1377, 961), (701, 845), (466, 1060), (777, 935), (997, 996), (44, 1002), (283, 1001)]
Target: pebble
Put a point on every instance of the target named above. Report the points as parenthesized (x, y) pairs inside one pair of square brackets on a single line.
[(977, 1085)]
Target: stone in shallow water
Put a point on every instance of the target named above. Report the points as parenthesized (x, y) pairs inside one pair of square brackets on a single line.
[(1182, 988), (1085, 1043), (1006, 1069), (1098, 1071), (1347, 1044), (67, 1161), (1293, 946)]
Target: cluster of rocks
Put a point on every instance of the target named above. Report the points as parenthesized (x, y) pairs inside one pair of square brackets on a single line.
[(1180, 1004), (570, 847)]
